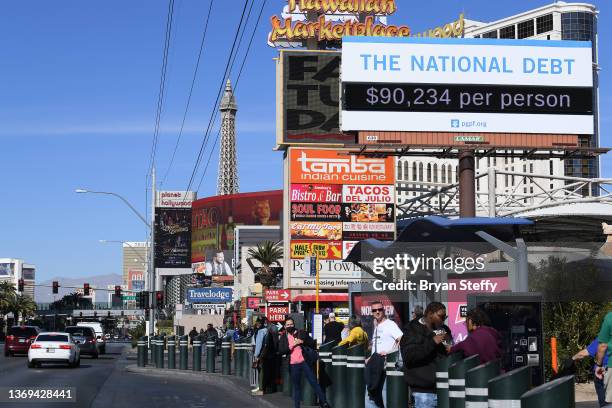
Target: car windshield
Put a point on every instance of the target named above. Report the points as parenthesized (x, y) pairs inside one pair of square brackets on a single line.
[(52, 337), (22, 331), (80, 331)]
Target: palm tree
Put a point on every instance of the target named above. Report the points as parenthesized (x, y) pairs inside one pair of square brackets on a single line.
[(7, 294), (23, 305), (267, 253)]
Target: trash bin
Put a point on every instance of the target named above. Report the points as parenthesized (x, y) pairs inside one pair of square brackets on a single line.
[(559, 393)]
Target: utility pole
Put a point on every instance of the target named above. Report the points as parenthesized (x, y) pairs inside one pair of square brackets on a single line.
[(152, 283)]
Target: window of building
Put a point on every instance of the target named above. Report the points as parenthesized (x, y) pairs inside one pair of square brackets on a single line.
[(456, 173), (525, 29), (429, 172), (420, 171), (414, 171), (577, 26), (507, 32), (399, 171), (544, 23), (406, 168), (477, 36), (435, 173), (443, 173), (490, 34)]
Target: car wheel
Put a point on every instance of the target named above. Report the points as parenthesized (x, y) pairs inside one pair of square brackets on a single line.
[(95, 355), (31, 364), (103, 350), (6, 353), (78, 362)]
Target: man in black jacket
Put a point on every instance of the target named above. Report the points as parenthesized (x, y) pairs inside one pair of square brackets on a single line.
[(293, 343), (421, 346)]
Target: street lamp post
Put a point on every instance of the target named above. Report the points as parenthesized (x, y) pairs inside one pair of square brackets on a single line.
[(151, 263)]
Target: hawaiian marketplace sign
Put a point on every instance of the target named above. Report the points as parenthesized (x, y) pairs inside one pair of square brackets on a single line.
[(330, 20)]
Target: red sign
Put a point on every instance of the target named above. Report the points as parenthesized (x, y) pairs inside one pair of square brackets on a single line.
[(316, 193), (277, 313), (253, 302), (277, 295)]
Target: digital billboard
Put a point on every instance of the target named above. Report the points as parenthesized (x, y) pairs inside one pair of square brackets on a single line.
[(173, 237), (214, 220), (335, 199), (467, 85), (309, 86)]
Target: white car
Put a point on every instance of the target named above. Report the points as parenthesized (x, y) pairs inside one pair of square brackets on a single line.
[(54, 347)]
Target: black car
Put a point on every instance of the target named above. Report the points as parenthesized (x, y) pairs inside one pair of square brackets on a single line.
[(85, 337)]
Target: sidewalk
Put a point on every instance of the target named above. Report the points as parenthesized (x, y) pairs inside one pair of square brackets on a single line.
[(228, 382)]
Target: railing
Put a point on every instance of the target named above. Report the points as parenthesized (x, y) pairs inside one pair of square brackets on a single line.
[(530, 192)]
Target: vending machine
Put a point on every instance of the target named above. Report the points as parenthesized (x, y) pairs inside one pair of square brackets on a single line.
[(518, 318)]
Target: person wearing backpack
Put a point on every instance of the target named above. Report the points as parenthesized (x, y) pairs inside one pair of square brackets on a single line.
[(301, 349)]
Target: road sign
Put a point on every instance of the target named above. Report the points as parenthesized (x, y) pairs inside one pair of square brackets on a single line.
[(277, 295), (277, 312), (128, 297)]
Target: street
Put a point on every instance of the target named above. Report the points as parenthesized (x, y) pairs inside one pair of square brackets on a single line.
[(105, 383)]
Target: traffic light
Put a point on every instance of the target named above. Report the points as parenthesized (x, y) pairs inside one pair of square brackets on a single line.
[(159, 299), (118, 291), (20, 285), (55, 287), (86, 289), (142, 299)]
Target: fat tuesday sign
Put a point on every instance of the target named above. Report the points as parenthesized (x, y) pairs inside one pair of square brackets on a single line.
[(338, 18)]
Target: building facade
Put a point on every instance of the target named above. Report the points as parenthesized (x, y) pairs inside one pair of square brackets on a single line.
[(557, 21), (14, 269), (135, 260)]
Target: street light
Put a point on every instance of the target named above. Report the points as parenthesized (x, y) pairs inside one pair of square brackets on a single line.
[(151, 263), (143, 219)]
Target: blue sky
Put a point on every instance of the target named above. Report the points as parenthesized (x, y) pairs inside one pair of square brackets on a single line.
[(78, 95)]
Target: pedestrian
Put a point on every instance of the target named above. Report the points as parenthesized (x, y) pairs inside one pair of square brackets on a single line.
[(299, 346), (259, 339), (271, 360), (356, 334), (332, 331), (417, 312), (210, 334), (482, 339), (385, 340), (602, 371), (421, 346), (192, 335), (202, 334), (591, 351)]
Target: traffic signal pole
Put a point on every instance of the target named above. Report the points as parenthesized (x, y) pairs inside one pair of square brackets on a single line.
[(152, 282)]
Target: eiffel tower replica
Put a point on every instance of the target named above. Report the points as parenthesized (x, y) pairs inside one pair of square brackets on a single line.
[(227, 181)]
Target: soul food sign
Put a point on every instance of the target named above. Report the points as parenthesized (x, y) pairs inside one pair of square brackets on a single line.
[(343, 24)]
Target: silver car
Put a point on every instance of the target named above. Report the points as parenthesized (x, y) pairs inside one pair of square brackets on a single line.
[(85, 338)]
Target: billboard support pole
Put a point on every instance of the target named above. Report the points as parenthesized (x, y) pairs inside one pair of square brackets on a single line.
[(152, 299), (317, 287), (467, 184)]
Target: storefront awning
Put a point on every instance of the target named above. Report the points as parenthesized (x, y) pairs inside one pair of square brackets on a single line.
[(323, 297)]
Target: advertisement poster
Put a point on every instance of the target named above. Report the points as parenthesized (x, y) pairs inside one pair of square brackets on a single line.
[(363, 212), (316, 211), (368, 194), (457, 305), (173, 237), (215, 218), (324, 250), (315, 193), (336, 198), (356, 231), (326, 231), (136, 280)]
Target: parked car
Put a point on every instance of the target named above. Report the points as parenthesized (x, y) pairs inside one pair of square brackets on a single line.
[(97, 327), (53, 347), (19, 339), (85, 337)]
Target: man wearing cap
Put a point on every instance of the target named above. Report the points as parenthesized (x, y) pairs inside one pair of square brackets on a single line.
[(332, 331)]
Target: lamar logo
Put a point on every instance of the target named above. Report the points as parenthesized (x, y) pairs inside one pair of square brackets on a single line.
[(351, 165)]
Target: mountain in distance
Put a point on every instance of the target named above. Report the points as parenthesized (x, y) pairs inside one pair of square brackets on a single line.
[(43, 294)]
